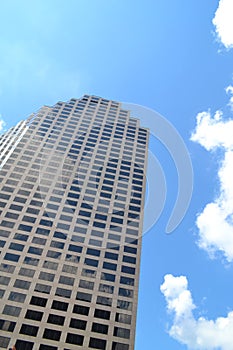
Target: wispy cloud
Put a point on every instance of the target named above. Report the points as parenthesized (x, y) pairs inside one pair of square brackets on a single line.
[(215, 223), (195, 333), (2, 124), (223, 23)]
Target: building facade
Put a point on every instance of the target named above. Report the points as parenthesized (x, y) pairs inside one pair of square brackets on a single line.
[(72, 188)]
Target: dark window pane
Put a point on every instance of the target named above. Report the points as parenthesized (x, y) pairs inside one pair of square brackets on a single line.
[(58, 305), (99, 328), (74, 339), (82, 310), (29, 330), (38, 301), (79, 324), (24, 345), (97, 343), (102, 314), (55, 319), (34, 315), (51, 334)]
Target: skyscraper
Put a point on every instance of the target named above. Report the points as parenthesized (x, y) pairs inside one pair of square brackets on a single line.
[(71, 204)]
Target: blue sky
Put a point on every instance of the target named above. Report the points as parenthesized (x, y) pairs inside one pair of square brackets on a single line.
[(166, 55)]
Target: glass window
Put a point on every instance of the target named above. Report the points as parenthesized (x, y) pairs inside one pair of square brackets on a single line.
[(104, 301), (26, 272), (18, 297), (11, 257), (38, 301), (55, 319), (59, 305), (4, 280), (29, 330), (46, 276), (34, 315), (104, 314), (99, 328), (119, 346), (7, 325), (52, 334), (97, 343), (11, 310), (61, 292), (78, 324), (74, 339), (82, 310), (23, 345), (106, 288), (66, 280), (34, 250), (42, 288)]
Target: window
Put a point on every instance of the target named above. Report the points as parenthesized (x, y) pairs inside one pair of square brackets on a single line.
[(38, 301), (21, 237), (7, 325), (22, 284), (55, 319), (74, 339), (66, 280), (104, 314), (52, 334), (11, 310), (119, 346), (78, 324), (16, 246), (4, 280), (47, 347), (91, 262), (108, 277), (126, 292), (75, 248), (106, 288), (18, 297), (70, 269), (127, 269), (46, 276), (82, 310), (86, 284), (84, 296), (125, 305), (42, 288), (58, 305), (123, 318), (34, 250), (121, 332), (66, 293), (26, 272), (104, 301), (97, 343), (109, 266), (29, 330), (50, 265), (34, 315), (111, 256), (31, 261), (24, 345), (38, 240), (99, 328)]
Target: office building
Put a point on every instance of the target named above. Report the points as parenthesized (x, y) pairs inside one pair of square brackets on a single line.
[(72, 187)]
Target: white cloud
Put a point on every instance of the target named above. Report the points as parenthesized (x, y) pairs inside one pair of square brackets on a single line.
[(223, 22), (229, 90), (215, 223), (195, 333), (2, 124)]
